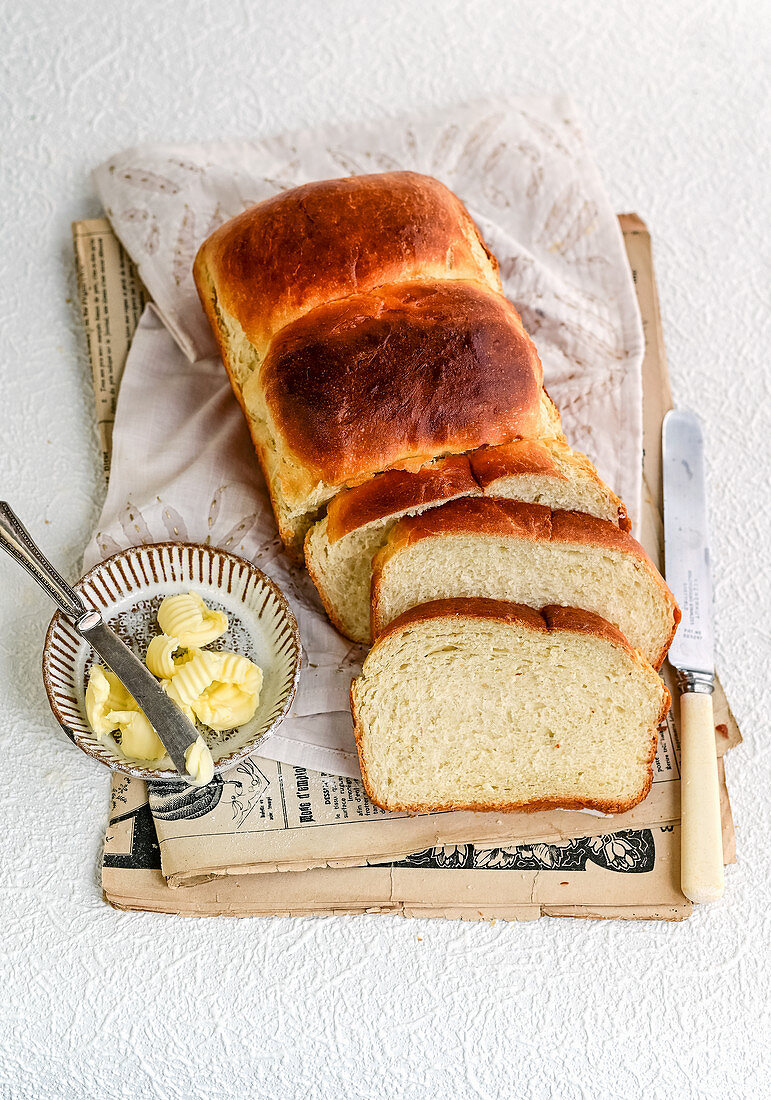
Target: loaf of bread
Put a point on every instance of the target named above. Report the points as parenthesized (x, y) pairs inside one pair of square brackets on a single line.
[(528, 554), (397, 409), (340, 547), (363, 327), (475, 704)]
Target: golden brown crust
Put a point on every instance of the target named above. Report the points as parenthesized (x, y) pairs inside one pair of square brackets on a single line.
[(363, 327), (408, 372), (526, 456), (333, 238), (500, 518), (493, 517), (549, 619), (572, 619), (578, 621), (287, 536), (521, 456), (397, 491)]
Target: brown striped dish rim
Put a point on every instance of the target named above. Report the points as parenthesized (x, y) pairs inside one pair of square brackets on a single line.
[(155, 774)]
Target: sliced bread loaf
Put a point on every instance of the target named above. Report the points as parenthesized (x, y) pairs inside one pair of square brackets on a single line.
[(339, 548), (526, 553), (477, 704)]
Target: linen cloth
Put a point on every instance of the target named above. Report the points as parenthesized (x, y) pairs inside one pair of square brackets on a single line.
[(183, 465)]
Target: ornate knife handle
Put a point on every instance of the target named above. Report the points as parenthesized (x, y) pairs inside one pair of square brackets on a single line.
[(17, 541)]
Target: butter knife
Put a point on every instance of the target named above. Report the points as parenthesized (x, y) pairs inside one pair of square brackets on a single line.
[(177, 734), (686, 547)]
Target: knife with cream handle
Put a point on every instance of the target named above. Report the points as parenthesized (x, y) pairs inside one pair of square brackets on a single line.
[(686, 546)]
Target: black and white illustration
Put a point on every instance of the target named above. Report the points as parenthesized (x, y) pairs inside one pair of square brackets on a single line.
[(243, 789), (628, 852)]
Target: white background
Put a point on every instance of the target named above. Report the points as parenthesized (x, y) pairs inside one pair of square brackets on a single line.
[(93, 1002)]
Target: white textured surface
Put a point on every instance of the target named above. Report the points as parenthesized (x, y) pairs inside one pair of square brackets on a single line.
[(98, 1003)]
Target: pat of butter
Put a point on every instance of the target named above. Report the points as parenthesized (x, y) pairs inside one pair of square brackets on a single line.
[(110, 707), (104, 694), (138, 739), (222, 689), (224, 706), (200, 764), (160, 656), (187, 618)]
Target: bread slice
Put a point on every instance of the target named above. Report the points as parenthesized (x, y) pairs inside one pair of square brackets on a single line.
[(526, 553), (477, 704), (339, 548)]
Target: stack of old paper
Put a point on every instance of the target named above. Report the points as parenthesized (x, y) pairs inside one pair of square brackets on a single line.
[(225, 849)]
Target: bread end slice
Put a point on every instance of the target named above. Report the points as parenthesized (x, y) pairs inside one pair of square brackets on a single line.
[(548, 472)]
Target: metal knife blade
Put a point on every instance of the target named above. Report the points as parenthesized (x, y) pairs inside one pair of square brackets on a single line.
[(686, 546), (171, 725)]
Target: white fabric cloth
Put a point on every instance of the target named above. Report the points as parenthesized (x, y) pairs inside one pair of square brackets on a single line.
[(183, 466)]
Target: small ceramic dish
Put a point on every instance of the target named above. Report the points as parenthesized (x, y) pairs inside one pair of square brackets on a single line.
[(127, 589)]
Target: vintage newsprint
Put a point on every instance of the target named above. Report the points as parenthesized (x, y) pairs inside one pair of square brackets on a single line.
[(624, 875), (111, 299), (628, 875), (267, 816)]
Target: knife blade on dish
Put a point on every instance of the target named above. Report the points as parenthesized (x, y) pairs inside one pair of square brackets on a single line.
[(686, 547), (175, 731)]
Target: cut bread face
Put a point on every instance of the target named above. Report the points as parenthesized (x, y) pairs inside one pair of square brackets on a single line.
[(529, 554), (485, 705), (339, 548)]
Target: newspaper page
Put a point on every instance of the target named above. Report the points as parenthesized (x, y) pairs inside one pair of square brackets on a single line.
[(132, 877), (633, 874), (112, 299), (278, 817)]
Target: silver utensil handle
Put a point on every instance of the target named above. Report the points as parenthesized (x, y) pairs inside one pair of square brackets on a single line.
[(17, 541)]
